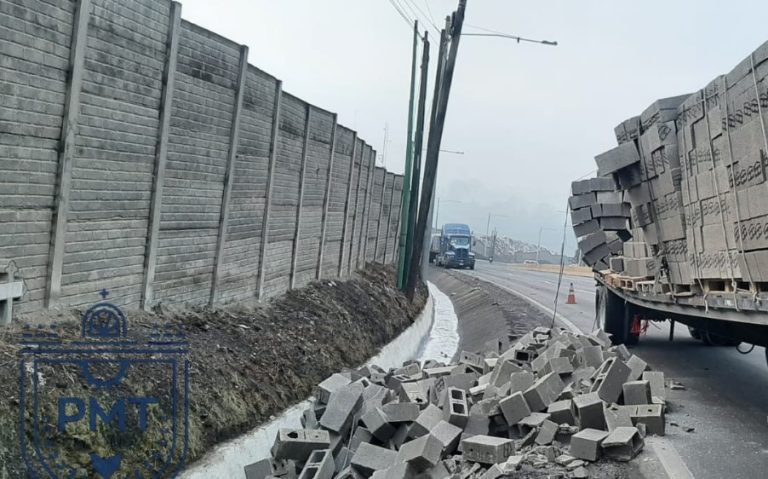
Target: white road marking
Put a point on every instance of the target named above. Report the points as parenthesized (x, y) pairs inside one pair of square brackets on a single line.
[(669, 457)]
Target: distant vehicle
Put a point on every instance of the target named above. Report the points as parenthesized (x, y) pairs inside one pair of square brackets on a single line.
[(456, 247), (530, 261), (434, 248)]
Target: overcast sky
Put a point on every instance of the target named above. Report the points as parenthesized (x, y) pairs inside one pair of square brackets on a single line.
[(529, 118)]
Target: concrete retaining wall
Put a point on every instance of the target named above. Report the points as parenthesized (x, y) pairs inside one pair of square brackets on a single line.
[(142, 153)]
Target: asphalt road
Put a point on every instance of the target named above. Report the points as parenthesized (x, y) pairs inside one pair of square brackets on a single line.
[(726, 393)]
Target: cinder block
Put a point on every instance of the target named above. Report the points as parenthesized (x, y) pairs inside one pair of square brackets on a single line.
[(544, 392), (400, 412), (618, 416), (588, 411), (656, 378), (591, 356), (343, 459), (427, 419), (448, 435), (586, 444), (519, 382), (455, 409), (324, 390), (369, 458), (344, 402), (652, 415), (422, 453), (270, 467), (617, 158), (559, 365), (401, 470), (623, 444), (298, 444), (503, 371), (637, 392), (376, 422), (414, 392), (547, 432), (400, 436), (609, 380), (487, 449), (361, 434), (560, 412), (636, 366), (532, 422), (514, 408), (320, 465)]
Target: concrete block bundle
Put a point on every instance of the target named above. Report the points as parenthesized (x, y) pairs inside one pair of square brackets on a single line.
[(554, 400), (600, 217), (693, 170)]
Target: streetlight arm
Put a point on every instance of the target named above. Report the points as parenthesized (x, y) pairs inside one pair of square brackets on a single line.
[(512, 37)]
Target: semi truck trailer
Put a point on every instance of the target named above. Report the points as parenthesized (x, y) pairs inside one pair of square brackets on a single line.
[(675, 224), (456, 247)]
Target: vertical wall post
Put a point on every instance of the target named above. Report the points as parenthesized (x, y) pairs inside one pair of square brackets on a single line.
[(357, 206), (229, 175), (389, 218), (381, 214), (326, 200), (268, 194), (368, 199), (346, 208), (66, 151), (300, 206), (161, 157)]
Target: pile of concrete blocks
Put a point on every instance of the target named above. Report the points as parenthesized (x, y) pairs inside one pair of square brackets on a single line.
[(547, 406), (693, 170), (600, 216)]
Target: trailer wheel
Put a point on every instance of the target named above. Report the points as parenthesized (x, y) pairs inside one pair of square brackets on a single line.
[(695, 333), (614, 316), (712, 339)]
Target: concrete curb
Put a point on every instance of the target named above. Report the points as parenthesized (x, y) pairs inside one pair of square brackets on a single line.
[(227, 460)]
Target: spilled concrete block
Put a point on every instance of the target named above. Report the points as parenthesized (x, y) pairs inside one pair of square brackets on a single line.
[(401, 470), (652, 416), (456, 410), (320, 465), (448, 435), (298, 444), (637, 392), (636, 366), (591, 356), (547, 432), (514, 408), (586, 444), (656, 378), (520, 381), (609, 379), (623, 444), (343, 403), (426, 420), (270, 467), (376, 422), (487, 449), (588, 411), (544, 392), (422, 453), (369, 458), (560, 365), (561, 412), (401, 412), (324, 390), (618, 416)]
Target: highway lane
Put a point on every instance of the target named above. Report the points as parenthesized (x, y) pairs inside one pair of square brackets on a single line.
[(726, 395)]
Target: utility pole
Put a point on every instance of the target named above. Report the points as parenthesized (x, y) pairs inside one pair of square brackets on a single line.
[(488, 226), (405, 198), (417, 147), (433, 147), (538, 245)]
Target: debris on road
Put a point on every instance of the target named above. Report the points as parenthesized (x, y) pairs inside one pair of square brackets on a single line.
[(548, 406)]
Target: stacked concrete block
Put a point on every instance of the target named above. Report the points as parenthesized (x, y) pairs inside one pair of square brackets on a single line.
[(692, 169), (493, 413)]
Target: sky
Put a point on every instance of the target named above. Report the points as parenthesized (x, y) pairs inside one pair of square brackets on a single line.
[(529, 118)]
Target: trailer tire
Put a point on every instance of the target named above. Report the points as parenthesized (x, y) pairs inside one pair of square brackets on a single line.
[(712, 339), (614, 316), (695, 333)]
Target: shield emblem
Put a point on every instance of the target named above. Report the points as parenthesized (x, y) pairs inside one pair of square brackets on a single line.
[(105, 405)]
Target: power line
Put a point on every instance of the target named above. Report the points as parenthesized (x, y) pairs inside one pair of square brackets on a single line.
[(495, 33), (426, 3), (405, 17), (412, 4)]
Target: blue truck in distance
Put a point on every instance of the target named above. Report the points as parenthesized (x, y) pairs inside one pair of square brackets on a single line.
[(456, 247)]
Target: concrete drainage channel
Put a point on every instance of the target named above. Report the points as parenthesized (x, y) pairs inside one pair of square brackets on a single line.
[(432, 336)]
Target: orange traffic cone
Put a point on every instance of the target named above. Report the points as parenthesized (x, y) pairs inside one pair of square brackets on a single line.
[(571, 296)]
